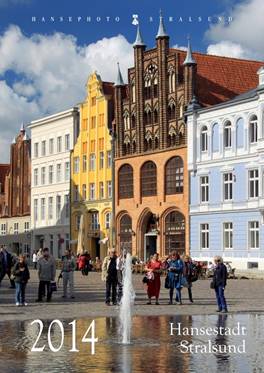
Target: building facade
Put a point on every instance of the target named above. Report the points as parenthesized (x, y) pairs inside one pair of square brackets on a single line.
[(92, 169), (15, 196), (151, 188), (226, 165), (52, 140)]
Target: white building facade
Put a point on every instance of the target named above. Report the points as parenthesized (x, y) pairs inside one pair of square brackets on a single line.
[(52, 140), (226, 167)]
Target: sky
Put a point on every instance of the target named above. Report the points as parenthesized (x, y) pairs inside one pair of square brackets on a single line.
[(48, 48)]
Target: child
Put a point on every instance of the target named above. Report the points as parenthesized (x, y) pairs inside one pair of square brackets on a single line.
[(21, 277)]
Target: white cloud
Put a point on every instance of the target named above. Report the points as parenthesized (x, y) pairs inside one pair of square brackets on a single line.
[(244, 32), (50, 72)]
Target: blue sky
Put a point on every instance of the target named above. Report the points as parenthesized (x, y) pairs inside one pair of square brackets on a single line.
[(44, 65)]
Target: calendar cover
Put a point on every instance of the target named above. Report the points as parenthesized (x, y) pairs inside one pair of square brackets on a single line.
[(131, 186)]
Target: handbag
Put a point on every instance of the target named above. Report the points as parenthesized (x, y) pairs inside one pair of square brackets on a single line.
[(145, 280), (53, 286), (167, 282), (213, 284)]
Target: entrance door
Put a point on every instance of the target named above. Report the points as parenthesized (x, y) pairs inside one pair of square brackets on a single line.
[(150, 245), (96, 246)]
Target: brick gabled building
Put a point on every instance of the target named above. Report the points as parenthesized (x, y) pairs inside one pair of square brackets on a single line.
[(151, 193), (4, 171)]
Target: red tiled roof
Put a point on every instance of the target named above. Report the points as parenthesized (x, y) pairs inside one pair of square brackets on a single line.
[(221, 78), (4, 170)]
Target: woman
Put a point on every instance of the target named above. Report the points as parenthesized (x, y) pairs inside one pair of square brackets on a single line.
[(175, 271), (187, 274), (153, 269), (21, 277)]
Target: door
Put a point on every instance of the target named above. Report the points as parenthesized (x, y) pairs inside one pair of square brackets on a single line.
[(150, 245)]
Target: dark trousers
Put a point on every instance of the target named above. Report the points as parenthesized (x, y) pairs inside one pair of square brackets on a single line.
[(190, 293), (20, 292), (35, 265), (111, 285), (8, 273), (178, 294), (41, 290), (119, 285), (220, 297)]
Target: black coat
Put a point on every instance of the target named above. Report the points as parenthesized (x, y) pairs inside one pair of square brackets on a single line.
[(21, 276), (9, 261), (220, 275)]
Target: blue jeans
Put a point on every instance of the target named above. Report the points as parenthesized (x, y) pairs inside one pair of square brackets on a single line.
[(220, 297), (20, 292)]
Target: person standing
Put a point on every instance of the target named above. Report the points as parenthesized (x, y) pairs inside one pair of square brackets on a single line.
[(46, 273), (21, 277), (7, 261), (153, 268), (175, 271), (219, 283), (35, 259), (187, 274), (109, 275), (68, 267)]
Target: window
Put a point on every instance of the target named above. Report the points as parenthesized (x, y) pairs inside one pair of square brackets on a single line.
[(50, 208), (93, 122), (35, 176), (133, 88), (92, 162), (171, 81), (43, 175), (204, 139), (92, 146), (16, 227), (174, 176), (85, 124), (228, 235), (253, 129), (101, 120), (108, 220), (171, 111), (58, 173), (84, 163), (95, 220), (59, 144), (76, 165), (35, 209), (67, 142), (254, 235), (92, 191), (51, 146), (126, 233), (36, 147), (147, 89), (228, 186), (78, 222), (109, 189), (43, 148), (3, 229), (84, 191), (42, 208), (253, 183), (94, 101), (101, 162), (58, 207), (126, 121), (101, 189), (175, 232), (204, 236), (204, 180), (148, 179), (50, 174), (109, 159), (67, 171), (76, 193), (125, 182), (67, 205), (101, 143), (26, 226), (227, 135)]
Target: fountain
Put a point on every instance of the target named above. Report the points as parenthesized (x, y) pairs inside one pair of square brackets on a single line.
[(127, 302)]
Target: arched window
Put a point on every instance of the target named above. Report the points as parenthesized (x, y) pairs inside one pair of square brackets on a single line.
[(147, 116), (148, 179), (156, 142), (155, 87), (133, 121), (125, 182), (174, 232), (126, 121), (108, 220), (171, 81), (253, 129), (126, 233), (171, 111), (227, 135), (204, 139), (174, 176), (133, 91), (147, 88), (240, 133)]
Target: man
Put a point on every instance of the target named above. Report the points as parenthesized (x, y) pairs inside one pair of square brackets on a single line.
[(219, 281), (109, 275), (68, 267), (6, 263), (46, 273)]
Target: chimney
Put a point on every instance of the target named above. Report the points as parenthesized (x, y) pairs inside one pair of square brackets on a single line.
[(260, 73)]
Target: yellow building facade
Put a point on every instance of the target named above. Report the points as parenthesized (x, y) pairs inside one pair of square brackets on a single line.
[(91, 170)]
